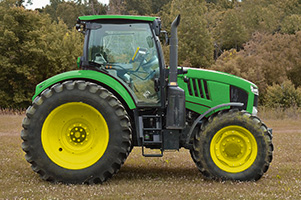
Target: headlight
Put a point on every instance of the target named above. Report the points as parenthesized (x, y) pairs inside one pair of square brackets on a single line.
[(254, 90)]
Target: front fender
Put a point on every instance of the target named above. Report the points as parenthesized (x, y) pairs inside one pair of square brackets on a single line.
[(94, 76)]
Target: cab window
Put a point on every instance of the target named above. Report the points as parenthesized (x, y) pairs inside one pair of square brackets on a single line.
[(128, 52)]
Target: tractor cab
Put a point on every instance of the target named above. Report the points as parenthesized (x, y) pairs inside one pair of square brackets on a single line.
[(127, 50), (130, 51)]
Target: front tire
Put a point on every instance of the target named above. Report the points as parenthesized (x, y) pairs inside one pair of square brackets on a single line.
[(233, 145), (76, 132)]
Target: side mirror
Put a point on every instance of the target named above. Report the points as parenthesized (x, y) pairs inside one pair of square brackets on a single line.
[(80, 27), (166, 37), (157, 26), (77, 27)]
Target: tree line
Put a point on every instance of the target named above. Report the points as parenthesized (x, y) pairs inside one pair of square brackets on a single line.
[(256, 39)]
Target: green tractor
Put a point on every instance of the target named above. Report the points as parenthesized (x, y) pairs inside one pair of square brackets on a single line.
[(83, 124)]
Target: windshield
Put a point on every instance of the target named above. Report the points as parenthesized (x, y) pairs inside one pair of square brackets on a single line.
[(117, 43), (130, 52)]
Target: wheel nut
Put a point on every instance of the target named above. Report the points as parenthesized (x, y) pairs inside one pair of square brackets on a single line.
[(77, 134)]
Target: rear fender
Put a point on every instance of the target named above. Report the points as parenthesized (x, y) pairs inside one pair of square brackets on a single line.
[(111, 83)]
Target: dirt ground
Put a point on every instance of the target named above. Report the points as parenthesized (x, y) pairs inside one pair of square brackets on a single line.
[(174, 176)]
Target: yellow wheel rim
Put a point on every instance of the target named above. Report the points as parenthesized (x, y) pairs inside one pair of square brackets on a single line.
[(75, 135), (233, 149)]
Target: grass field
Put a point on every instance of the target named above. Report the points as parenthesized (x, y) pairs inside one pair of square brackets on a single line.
[(173, 176)]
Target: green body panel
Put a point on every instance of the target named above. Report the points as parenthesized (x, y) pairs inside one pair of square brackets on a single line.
[(128, 17), (88, 75), (218, 84)]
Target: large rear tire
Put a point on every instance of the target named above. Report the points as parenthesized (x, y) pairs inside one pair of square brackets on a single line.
[(76, 132), (233, 146)]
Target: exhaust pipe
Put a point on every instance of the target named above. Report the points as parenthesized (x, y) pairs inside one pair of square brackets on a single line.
[(176, 111), (173, 55)]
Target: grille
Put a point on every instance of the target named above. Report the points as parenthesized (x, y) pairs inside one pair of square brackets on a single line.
[(239, 95), (198, 88)]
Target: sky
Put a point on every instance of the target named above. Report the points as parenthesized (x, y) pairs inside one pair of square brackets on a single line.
[(43, 3)]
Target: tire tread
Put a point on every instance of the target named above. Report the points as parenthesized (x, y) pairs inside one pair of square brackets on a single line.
[(93, 89), (200, 139)]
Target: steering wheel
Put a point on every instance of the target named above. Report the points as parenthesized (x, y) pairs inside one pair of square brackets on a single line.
[(146, 65)]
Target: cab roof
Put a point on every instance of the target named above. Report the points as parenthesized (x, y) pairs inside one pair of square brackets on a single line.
[(119, 17)]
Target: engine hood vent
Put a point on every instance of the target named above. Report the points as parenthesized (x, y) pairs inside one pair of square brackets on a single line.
[(198, 88)]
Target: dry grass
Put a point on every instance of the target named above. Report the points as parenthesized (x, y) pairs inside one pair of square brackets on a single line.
[(173, 176), (293, 113)]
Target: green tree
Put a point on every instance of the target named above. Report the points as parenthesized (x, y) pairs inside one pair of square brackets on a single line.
[(32, 49), (260, 15), (157, 5), (138, 7), (291, 24), (8, 3), (265, 60), (93, 7), (230, 32), (69, 11), (283, 96), (270, 16), (195, 42), (116, 7), (223, 3)]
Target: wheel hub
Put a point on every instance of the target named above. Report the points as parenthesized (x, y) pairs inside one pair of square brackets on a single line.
[(77, 134), (233, 149)]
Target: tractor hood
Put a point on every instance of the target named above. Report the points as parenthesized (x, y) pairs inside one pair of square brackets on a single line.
[(221, 77), (207, 88)]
